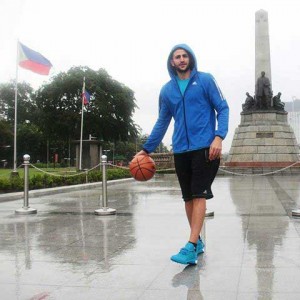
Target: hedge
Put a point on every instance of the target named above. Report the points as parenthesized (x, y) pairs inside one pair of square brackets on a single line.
[(40, 181)]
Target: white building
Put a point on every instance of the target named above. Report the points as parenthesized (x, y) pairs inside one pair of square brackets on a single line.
[(293, 109)]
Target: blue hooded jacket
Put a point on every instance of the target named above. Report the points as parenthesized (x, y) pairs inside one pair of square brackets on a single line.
[(194, 113)]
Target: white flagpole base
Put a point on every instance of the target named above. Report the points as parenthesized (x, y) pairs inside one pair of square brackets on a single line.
[(26, 211), (296, 213), (105, 211)]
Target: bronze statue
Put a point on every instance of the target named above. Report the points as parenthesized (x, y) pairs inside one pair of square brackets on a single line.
[(263, 98), (277, 104), (249, 103), (263, 92)]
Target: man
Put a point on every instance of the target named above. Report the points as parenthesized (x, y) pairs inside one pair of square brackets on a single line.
[(263, 92), (193, 99)]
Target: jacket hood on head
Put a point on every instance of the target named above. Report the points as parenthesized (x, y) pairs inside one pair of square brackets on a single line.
[(185, 47)]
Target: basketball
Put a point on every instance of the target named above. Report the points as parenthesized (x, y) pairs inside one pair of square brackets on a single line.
[(142, 167)]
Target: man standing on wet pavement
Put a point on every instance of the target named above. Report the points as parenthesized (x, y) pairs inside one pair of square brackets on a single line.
[(195, 102)]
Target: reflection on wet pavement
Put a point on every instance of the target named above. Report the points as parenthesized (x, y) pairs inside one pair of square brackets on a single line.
[(65, 251)]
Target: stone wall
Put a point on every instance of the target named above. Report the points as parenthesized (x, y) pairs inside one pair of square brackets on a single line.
[(163, 160)]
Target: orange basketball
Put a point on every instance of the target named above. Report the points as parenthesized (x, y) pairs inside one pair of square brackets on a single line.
[(142, 167)]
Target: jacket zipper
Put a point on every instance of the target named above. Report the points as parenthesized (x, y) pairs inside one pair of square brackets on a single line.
[(184, 114)]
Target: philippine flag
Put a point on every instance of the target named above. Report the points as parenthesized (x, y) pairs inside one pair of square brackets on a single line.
[(33, 61), (86, 97)]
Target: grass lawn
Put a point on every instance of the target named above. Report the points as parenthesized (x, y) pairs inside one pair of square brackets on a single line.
[(32, 171)]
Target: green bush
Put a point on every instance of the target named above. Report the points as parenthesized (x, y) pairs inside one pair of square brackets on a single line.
[(169, 171), (17, 183), (117, 174), (36, 182), (41, 180), (5, 184), (49, 166)]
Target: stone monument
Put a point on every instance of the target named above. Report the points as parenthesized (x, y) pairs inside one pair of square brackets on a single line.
[(262, 44), (91, 153), (264, 138)]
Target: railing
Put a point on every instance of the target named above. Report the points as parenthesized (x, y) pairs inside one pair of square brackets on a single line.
[(105, 210)]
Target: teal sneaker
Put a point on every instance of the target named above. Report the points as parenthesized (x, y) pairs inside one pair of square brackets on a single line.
[(186, 255), (200, 247)]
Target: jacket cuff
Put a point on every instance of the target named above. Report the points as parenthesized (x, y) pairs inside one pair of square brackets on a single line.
[(219, 136)]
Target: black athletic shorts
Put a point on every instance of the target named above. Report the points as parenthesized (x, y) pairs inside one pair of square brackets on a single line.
[(196, 173)]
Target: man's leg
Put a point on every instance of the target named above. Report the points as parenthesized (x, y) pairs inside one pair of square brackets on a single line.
[(195, 211)]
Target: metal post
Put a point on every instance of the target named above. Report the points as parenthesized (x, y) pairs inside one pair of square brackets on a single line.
[(100, 157), (203, 231), (25, 210), (296, 213), (104, 210), (209, 213)]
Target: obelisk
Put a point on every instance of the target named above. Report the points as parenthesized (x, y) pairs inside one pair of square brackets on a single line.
[(262, 45), (263, 139)]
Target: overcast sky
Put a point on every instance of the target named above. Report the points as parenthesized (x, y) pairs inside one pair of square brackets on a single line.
[(131, 39)]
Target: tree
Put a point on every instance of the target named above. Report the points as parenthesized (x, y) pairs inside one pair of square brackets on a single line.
[(26, 112), (6, 135), (31, 141), (6, 141), (50, 118), (26, 105), (108, 116), (140, 140)]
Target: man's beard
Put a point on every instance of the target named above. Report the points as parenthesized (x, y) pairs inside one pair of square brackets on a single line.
[(182, 71)]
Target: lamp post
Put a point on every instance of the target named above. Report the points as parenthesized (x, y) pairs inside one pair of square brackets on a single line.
[(100, 153)]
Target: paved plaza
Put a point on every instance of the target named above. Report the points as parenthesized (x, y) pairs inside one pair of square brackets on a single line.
[(67, 252)]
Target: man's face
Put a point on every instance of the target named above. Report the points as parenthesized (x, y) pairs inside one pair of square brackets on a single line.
[(180, 61)]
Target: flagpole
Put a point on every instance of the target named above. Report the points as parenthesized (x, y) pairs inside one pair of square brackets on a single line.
[(81, 128), (16, 109)]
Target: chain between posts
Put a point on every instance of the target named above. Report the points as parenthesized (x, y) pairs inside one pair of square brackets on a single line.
[(105, 210), (168, 169), (295, 213), (225, 171)]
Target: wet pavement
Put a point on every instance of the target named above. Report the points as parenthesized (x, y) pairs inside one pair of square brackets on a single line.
[(65, 251)]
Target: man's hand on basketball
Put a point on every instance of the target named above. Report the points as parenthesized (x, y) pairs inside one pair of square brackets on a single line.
[(215, 149), (142, 152)]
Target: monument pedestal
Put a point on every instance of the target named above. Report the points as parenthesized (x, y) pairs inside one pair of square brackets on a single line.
[(263, 139)]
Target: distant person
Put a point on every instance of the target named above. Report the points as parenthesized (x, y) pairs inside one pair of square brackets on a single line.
[(263, 92), (195, 102)]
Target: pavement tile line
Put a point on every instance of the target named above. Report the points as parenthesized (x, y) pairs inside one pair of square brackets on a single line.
[(287, 202)]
